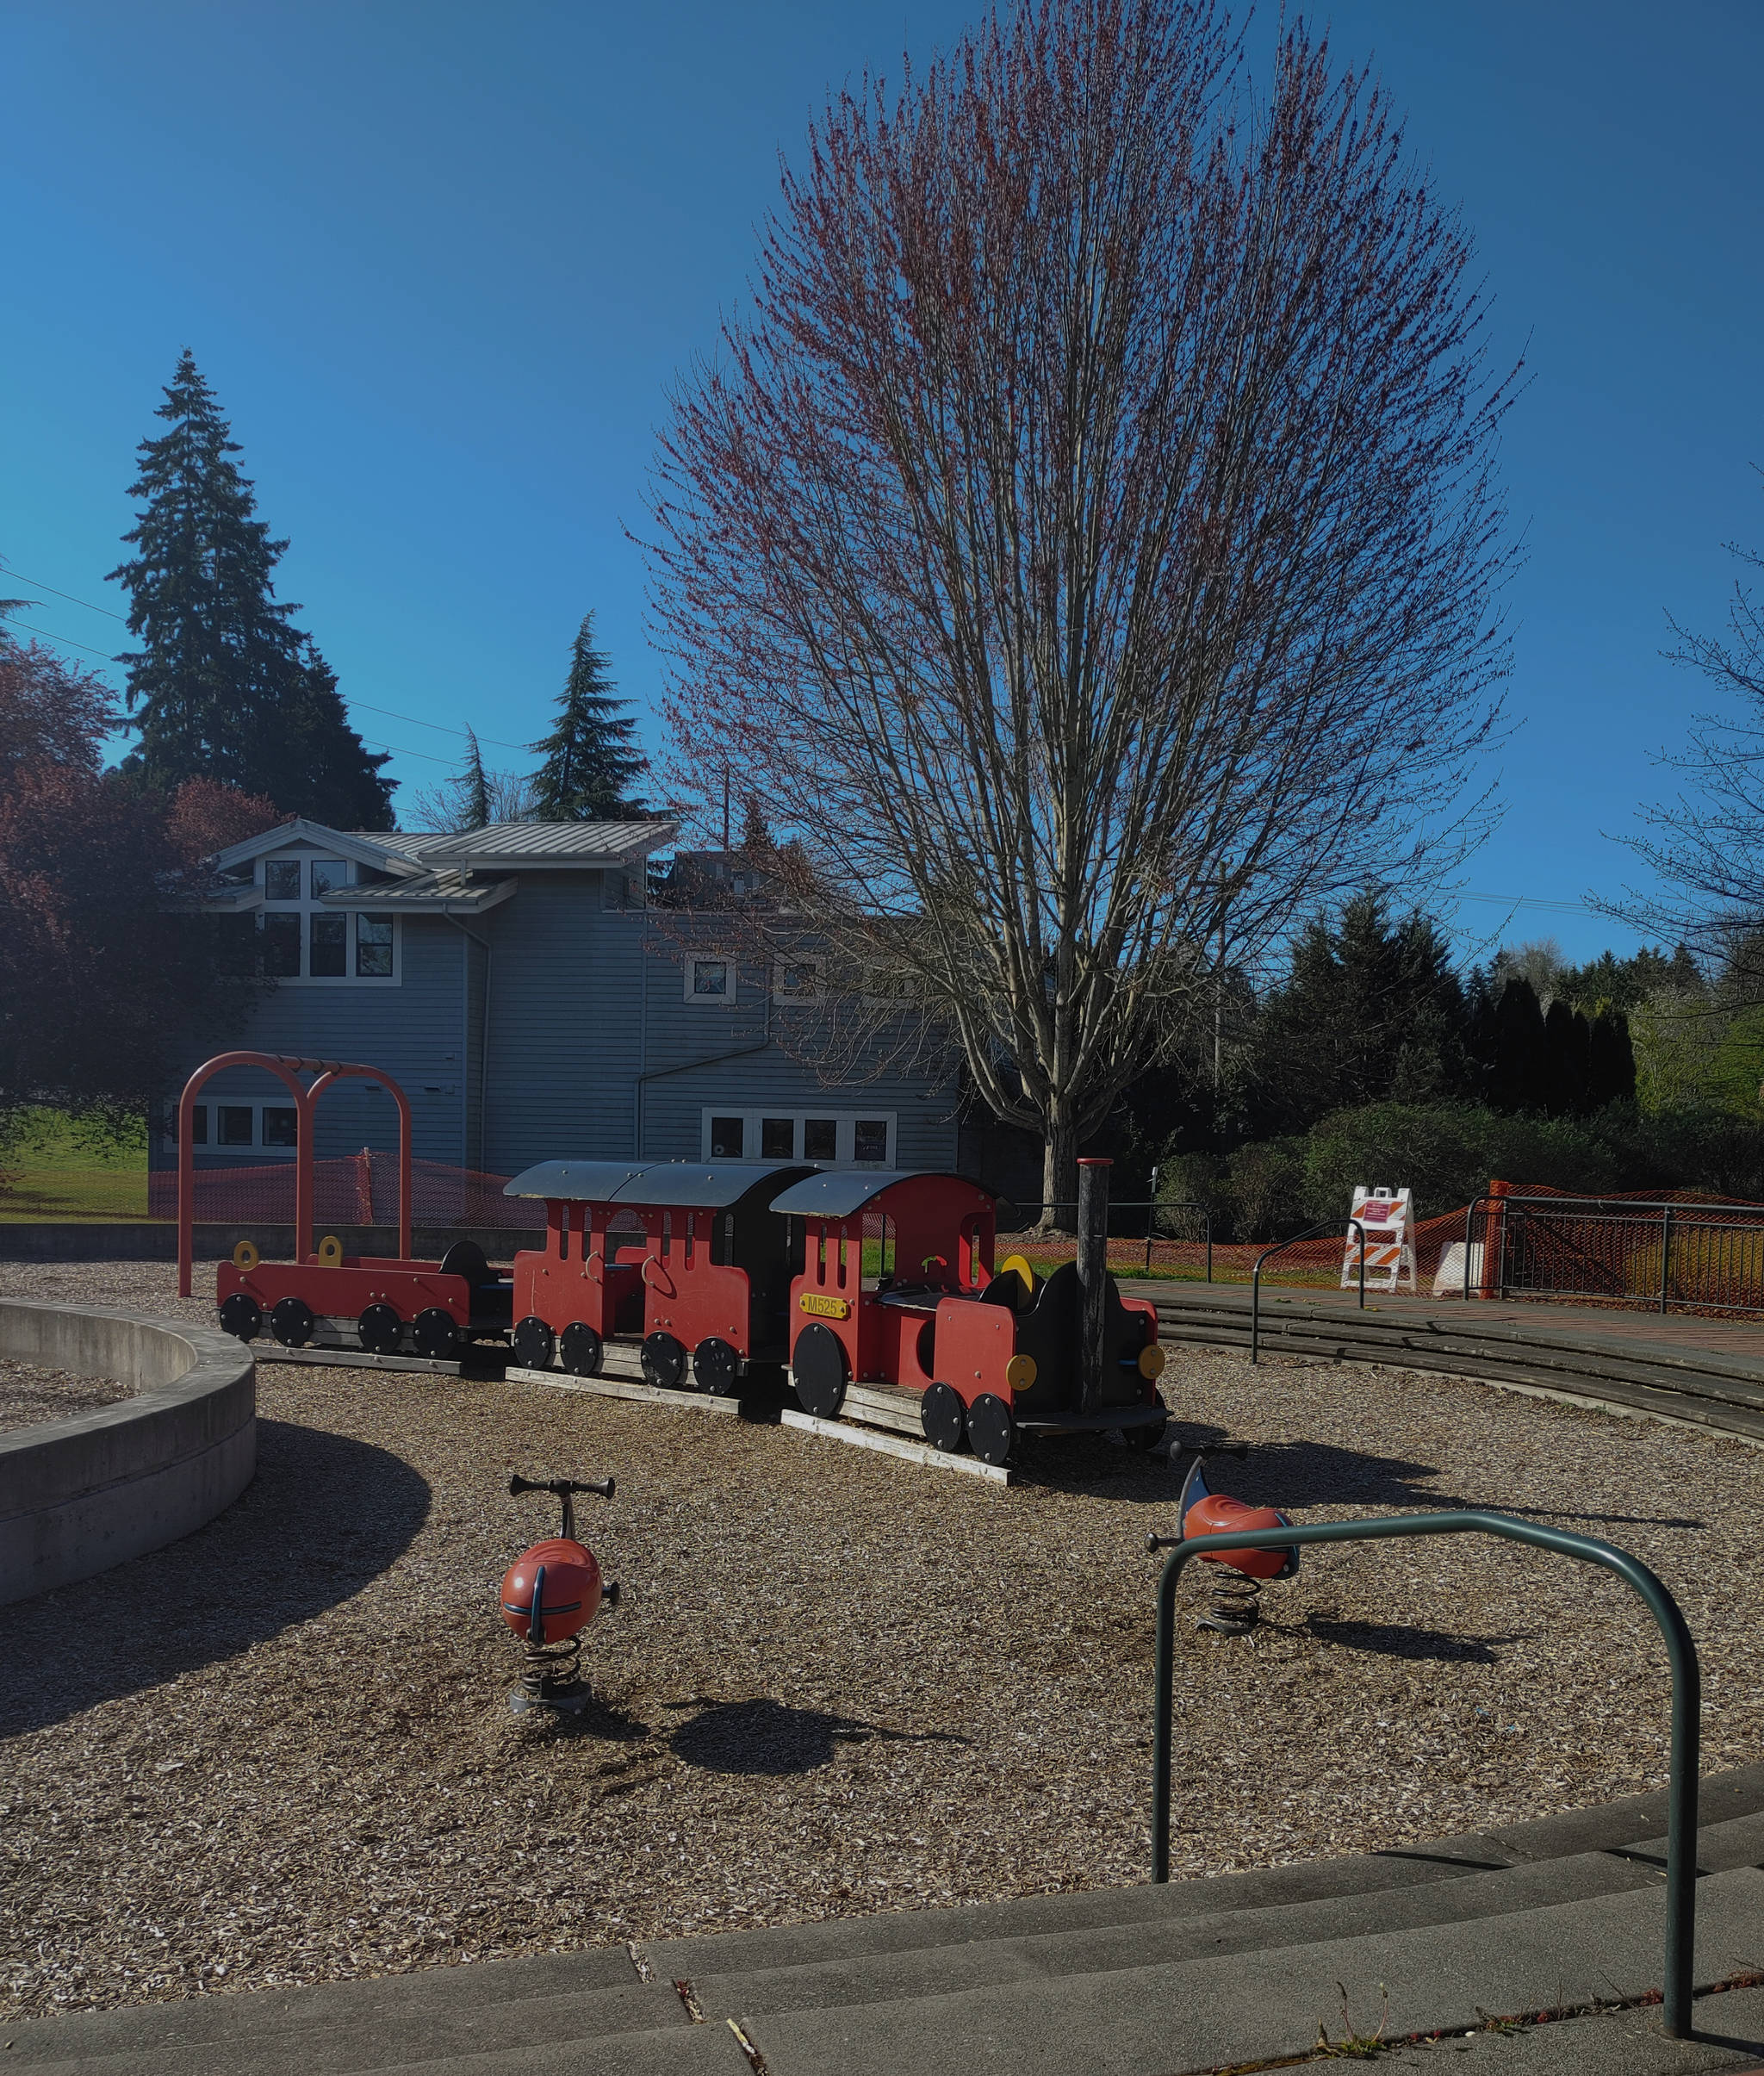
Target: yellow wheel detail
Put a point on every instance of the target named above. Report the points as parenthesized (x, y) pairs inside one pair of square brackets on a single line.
[(1152, 1361), (246, 1257), (1020, 1372), (331, 1251)]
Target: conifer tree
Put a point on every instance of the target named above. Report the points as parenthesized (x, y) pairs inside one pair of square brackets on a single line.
[(475, 786), (227, 688), (591, 755)]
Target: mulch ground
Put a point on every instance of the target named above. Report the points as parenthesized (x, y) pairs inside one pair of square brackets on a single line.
[(30, 1395), (280, 1750)]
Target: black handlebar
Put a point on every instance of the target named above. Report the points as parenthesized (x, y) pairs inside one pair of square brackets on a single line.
[(560, 1488)]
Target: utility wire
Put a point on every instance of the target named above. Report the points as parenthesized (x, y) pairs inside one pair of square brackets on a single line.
[(415, 722), (62, 641)]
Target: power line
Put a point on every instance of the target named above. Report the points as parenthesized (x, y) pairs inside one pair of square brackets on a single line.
[(61, 640), (415, 721)]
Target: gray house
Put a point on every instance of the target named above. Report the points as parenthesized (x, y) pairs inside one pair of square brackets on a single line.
[(517, 983)]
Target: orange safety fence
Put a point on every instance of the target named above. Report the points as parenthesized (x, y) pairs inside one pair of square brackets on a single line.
[(358, 1190)]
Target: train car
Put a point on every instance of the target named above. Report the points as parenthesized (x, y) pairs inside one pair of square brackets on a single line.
[(386, 1304), (700, 1271), (896, 1287)]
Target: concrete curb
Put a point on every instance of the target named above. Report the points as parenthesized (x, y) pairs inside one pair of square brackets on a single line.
[(81, 1494)]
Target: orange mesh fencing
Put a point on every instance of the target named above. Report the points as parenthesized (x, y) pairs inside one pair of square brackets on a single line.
[(358, 1190)]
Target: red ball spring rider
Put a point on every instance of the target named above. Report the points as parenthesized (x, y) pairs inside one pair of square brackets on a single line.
[(1236, 1581), (550, 1594)]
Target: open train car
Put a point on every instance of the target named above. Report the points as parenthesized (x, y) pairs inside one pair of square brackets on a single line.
[(896, 1287), (693, 1258), (385, 1304)]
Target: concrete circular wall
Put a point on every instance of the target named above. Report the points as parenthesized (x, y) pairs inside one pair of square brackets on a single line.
[(80, 1494)]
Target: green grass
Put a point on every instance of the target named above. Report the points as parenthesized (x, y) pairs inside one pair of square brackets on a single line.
[(55, 1167)]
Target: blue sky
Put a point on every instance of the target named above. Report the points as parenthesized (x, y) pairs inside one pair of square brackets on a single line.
[(440, 262)]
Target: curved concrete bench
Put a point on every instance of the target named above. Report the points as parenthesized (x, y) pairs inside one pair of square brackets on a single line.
[(80, 1494)]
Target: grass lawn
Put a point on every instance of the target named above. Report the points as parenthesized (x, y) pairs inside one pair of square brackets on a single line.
[(54, 1167)]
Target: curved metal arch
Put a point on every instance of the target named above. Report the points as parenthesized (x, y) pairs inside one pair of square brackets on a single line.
[(285, 1067)]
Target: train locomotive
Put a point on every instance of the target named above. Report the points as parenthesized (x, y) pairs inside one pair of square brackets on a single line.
[(834, 1280)]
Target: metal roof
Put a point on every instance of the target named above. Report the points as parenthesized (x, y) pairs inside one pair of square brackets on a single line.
[(582, 1181), (695, 1187), (445, 893), (839, 1193), (686, 1183), (545, 842)]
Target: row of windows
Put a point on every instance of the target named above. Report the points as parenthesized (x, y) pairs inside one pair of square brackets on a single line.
[(844, 1138), (273, 1125), (719, 979), (317, 946)]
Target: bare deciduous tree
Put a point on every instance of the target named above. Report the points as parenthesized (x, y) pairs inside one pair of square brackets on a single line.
[(1707, 847), (1087, 544)]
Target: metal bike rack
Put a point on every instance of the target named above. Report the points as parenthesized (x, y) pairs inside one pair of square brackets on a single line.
[(1310, 1233), (1680, 1650)]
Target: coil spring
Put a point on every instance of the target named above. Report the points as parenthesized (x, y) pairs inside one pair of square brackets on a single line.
[(548, 1668), (1234, 1600)]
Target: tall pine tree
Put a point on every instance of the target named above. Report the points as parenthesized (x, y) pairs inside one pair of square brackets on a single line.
[(591, 755), (227, 687)]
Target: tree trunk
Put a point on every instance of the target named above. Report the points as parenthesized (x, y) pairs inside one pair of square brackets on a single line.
[(1060, 1187)]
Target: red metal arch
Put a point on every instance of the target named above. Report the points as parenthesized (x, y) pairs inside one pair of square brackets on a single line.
[(285, 1068)]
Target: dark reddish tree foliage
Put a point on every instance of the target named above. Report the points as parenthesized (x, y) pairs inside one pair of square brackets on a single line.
[(205, 817), (1086, 543), (100, 969)]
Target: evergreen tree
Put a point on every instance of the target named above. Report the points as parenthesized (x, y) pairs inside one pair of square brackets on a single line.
[(1371, 1009), (227, 687), (591, 755), (474, 787)]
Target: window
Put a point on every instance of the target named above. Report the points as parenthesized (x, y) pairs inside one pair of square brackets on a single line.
[(269, 1127), (299, 938), (830, 1138), (710, 980), (798, 981), (373, 948)]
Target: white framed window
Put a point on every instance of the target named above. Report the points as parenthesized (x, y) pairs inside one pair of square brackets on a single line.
[(833, 1139), (711, 978), (797, 980), (301, 939), (269, 1125)]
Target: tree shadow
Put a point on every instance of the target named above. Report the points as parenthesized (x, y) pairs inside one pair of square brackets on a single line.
[(323, 1516), (763, 1736)]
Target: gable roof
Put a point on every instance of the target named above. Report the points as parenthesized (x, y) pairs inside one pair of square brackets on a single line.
[(388, 853)]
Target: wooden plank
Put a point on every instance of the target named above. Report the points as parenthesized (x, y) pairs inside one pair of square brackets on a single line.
[(621, 1387), (354, 1358), (891, 1444), (885, 1406)]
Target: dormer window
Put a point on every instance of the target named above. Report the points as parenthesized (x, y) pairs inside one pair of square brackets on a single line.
[(302, 938)]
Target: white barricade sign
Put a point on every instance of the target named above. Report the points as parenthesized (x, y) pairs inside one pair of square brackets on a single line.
[(1386, 1215)]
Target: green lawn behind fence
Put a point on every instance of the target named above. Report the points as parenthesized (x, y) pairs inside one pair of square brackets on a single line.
[(52, 1167)]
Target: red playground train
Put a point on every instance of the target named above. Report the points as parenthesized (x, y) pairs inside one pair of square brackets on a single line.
[(836, 1277)]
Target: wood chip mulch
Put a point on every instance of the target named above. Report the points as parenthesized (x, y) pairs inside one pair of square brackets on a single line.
[(280, 1750), (29, 1395)]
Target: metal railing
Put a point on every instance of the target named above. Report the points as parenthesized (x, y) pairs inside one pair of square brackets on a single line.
[(1680, 1650), (1310, 1233), (1624, 1250), (1033, 1214)]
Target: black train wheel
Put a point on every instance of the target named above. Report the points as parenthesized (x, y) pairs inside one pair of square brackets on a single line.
[(580, 1349), (664, 1362), (943, 1417), (433, 1333), (991, 1429), (716, 1368), (817, 1369), (380, 1329), (534, 1344), (242, 1316), (1148, 1437), (291, 1321)]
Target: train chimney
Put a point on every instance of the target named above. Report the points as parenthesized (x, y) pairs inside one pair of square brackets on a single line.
[(1093, 1272)]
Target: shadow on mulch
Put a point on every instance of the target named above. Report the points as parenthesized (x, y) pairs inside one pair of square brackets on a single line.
[(323, 1516), (1401, 1640), (763, 1736)]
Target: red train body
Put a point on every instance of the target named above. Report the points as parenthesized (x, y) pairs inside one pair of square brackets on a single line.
[(838, 1278)]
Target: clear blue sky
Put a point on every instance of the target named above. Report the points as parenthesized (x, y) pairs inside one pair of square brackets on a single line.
[(439, 262)]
